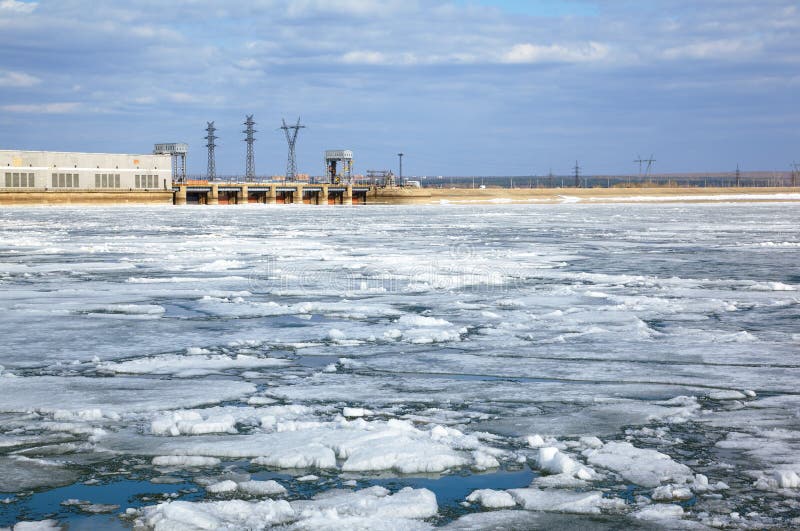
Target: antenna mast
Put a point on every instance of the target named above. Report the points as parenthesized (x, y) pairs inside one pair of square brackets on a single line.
[(250, 168), (291, 139), (210, 138)]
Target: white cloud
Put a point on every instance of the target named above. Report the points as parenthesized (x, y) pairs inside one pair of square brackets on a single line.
[(183, 97), (43, 108), (17, 79), (16, 6), (248, 64), (365, 57), (527, 53), (716, 49), (358, 8)]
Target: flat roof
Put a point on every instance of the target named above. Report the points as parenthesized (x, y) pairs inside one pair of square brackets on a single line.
[(80, 153)]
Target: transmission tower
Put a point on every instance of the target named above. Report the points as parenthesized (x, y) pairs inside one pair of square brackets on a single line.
[(291, 137), (650, 162), (210, 138), (577, 175), (649, 166), (250, 168)]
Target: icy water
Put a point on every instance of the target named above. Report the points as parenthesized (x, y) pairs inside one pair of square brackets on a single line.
[(464, 367)]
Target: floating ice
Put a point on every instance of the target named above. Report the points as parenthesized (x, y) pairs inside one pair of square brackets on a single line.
[(575, 322), (41, 525), (644, 467), (552, 461), (185, 461), (492, 499), (190, 366), (373, 508), (660, 512), (672, 492), (262, 488), (560, 501), (192, 423)]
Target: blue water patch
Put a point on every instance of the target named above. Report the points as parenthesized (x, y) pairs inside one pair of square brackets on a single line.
[(123, 492), (450, 490)]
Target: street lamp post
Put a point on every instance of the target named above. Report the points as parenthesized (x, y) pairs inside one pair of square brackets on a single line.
[(400, 179)]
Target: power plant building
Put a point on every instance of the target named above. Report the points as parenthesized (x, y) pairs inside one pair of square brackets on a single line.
[(27, 171)]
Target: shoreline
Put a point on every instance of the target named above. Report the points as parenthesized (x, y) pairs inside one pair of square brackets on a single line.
[(613, 195), (455, 196)]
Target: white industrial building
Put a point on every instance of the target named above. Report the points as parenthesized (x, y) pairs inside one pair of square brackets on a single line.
[(51, 170)]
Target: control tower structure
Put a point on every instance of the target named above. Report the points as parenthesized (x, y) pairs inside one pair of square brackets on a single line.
[(177, 152), (339, 166)]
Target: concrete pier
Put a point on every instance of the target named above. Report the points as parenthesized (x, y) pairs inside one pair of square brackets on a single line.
[(204, 193)]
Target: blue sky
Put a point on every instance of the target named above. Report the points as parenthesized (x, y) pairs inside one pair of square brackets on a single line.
[(462, 87)]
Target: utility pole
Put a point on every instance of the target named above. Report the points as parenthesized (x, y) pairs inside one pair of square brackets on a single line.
[(291, 138), (577, 175), (795, 174), (738, 176), (250, 167), (210, 138)]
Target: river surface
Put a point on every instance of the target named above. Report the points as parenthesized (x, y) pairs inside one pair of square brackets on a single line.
[(460, 367)]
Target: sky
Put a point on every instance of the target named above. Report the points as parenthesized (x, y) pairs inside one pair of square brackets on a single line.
[(462, 87)]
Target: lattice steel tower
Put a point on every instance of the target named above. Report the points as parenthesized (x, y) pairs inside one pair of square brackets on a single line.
[(250, 170), (210, 138), (291, 138)]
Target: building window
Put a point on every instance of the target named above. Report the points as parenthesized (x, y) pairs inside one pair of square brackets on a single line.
[(75, 180), (55, 180), (19, 180), (116, 180), (138, 182), (69, 180)]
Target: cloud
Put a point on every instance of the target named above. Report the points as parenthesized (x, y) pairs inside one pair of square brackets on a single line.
[(17, 79), (43, 108), (729, 49), (16, 6), (427, 74), (344, 8), (555, 53), (183, 97)]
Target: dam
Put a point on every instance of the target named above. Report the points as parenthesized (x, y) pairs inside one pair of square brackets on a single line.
[(71, 178), (47, 177)]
